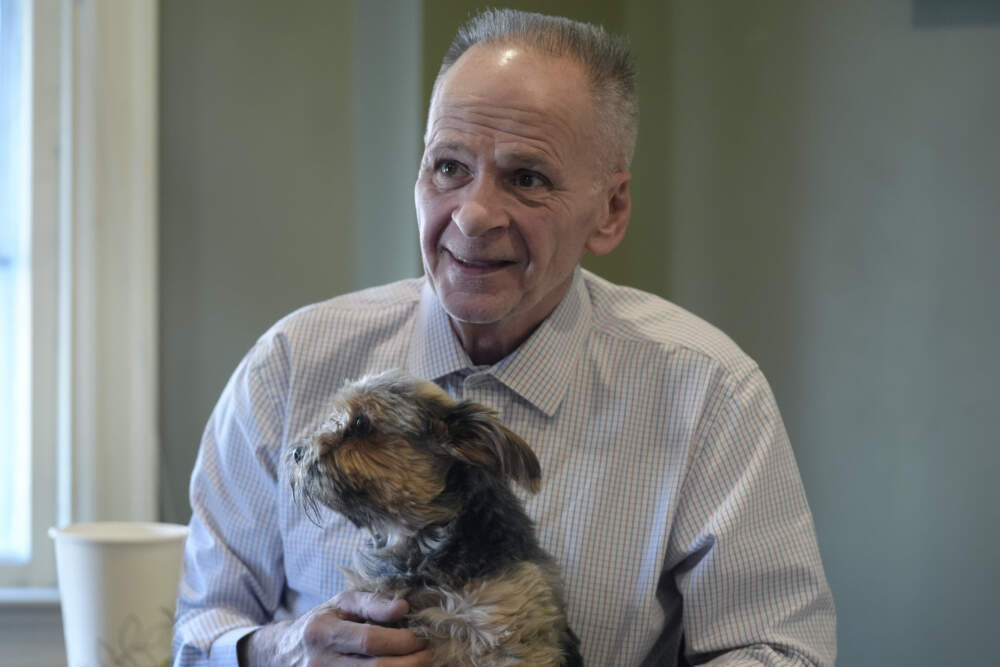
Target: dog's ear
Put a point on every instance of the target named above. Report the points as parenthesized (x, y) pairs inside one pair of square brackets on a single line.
[(476, 436)]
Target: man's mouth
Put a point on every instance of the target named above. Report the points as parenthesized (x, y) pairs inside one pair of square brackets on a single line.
[(479, 263)]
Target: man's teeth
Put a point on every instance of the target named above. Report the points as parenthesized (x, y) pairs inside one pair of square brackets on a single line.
[(477, 264), (487, 263)]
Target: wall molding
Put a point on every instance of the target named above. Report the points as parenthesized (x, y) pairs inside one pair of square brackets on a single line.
[(31, 635)]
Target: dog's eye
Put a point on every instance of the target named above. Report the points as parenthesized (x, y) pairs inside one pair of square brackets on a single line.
[(297, 454), (361, 426)]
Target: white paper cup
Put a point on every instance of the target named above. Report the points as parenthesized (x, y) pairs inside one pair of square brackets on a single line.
[(118, 586)]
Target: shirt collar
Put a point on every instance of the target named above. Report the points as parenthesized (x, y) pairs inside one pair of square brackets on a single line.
[(434, 350), (540, 370)]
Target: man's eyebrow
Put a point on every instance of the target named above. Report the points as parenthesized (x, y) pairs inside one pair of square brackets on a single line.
[(448, 147), (527, 159)]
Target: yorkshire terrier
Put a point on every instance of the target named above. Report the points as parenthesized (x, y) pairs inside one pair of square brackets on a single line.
[(429, 479)]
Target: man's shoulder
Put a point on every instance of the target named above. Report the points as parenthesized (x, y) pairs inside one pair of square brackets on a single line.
[(304, 358), (356, 319), (383, 302), (633, 316)]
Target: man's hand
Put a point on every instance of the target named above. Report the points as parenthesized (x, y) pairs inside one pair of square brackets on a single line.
[(346, 630)]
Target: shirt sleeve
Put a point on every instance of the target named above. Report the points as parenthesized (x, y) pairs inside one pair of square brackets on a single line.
[(743, 550), (233, 566)]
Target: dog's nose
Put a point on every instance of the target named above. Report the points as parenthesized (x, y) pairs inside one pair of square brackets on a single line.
[(297, 454)]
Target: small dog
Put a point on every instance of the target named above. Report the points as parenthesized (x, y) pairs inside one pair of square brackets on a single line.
[(428, 478)]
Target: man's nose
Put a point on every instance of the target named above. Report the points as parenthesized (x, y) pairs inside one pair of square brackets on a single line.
[(481, 210)]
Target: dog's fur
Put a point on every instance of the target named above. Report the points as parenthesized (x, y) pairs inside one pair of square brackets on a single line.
[(428, 478)]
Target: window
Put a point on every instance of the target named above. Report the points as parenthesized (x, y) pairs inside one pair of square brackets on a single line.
[(28, 293), (78, 253), (15, 167)]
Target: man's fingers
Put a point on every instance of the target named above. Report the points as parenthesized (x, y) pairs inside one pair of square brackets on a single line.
[(341, 628), (371, 607), (372, 640)]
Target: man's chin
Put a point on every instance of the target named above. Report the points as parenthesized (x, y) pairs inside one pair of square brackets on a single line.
[(476, 314), (481, 309)]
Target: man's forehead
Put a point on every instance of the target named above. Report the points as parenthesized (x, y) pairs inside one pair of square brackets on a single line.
[(522, 67), (518, 75), (503, 118), (525, 105), (504, 151)]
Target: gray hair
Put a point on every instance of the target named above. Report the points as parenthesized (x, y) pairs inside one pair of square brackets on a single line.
[(605, 58)]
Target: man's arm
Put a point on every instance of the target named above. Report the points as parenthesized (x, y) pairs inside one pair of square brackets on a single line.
[(743, 549), (234, 573)]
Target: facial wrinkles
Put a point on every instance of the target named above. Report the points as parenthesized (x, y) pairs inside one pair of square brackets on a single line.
[(541, 132)]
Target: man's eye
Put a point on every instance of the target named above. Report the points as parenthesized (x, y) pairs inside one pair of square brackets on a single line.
[(447, 168), (529, 179)]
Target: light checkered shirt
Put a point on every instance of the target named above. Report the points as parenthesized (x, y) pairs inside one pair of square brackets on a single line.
[(670, 496)]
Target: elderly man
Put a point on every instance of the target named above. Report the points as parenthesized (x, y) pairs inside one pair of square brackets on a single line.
[(671, 498)]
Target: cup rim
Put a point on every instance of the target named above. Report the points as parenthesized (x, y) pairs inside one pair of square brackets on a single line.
[(119, 532)]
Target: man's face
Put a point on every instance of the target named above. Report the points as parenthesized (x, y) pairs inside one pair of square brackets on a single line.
[(511, 192)]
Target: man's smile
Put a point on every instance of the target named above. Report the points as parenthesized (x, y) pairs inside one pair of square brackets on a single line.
[(476, 263)]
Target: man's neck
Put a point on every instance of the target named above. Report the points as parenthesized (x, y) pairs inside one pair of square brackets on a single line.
[(486, 344)]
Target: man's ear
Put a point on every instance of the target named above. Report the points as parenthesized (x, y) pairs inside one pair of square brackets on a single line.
[(611, 231)]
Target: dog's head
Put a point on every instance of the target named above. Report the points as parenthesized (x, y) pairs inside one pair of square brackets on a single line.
[(384, 456)]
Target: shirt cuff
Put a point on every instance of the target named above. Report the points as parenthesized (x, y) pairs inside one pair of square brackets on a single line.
[(224, 647)]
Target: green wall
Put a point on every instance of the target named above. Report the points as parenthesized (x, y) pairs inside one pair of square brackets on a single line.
[(829, 193), (255, 123), (288, 145)]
